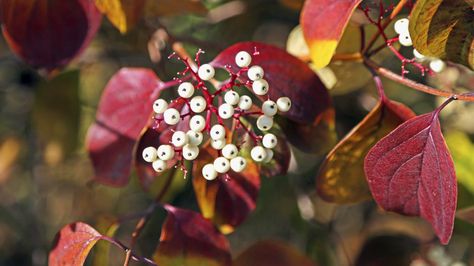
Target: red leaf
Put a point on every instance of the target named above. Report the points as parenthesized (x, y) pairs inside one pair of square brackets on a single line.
[(72, 244), (49, 33), (410, 171), (188, 239), (124, 110)]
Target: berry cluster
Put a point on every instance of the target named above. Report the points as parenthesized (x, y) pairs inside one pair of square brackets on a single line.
[(204, 102)]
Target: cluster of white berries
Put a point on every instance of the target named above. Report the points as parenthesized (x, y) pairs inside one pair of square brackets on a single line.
[(234, 105)]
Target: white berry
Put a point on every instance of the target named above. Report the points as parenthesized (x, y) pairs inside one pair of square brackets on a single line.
[(238, 164), (186, 89), (159, 106), (222, 165), (206, 72), (197, 123), (269, 141), (217, 144), (149, 154), (268, 156), (179, 139), (255, 72), (231, 97), (418, 55), (165, 152), (401, 26), (230, 151), (245, 102), (269, 108), (437, 65), (243, 59), (226, 111), (159, 165), (194, 138), (405, 39), (284, 104), (258, 153), (217, 132), (208, 172), (198, 104), (171, 116), (260, 87), (190, 152), (264, 122)]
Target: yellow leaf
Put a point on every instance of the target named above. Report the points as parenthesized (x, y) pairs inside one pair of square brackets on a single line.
[(123, 14)]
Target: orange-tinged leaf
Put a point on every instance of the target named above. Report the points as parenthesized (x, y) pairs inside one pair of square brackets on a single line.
[(123, 14), (154, 8), (323, 23), (341, 178), (72, 244)]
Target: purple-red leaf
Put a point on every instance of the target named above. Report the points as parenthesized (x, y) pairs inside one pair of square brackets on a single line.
[(189, 239), (72, 244), (124, 110), (49, 33), (410, 171)]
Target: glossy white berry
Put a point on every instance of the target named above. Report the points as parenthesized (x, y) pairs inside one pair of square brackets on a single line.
[(258, 153), (255, 72), (197, 123), (186, 89), (230, 151), (171, 116), (206, 72), (159, 106), (217, 132), (238, 164), (243, 59), (165, 152), (245, 102), (260, 87), (198, 104), (190, 152), (269, 108), (283, 104), (231, 97), (208, 172), (437, 65), (179, 139), (401, 26), (149, 154), (268, 156), (194, 138), (269, 141), (159, 165), (217, 144), (417, 54), (405, 39), (226, 111), (222, 165), (264, 122)]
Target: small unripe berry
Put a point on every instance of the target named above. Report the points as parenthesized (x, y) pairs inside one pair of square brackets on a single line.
[(217, 132), (401, 26), (194, 138), (198, 104), (231, 97), (284, 104), (238, 164), (186, 89), (159, 106), (260, 87), (159, 165), (268, 155), (190, 152), (206, 72), (264, 122), (222, 165), (171, 116), (217, 144), (230, 151), (197, 123), (179, 139), (226, 111), (269, 108), (165, 152), (149, 154), (269, 141), (245, 102), (258, 153), (208, 172), (243, 59), (255, 72)]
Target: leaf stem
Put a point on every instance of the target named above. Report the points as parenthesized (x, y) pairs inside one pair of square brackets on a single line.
[(129, 252)]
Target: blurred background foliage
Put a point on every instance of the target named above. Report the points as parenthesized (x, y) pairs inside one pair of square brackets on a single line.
[(45, 173)]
